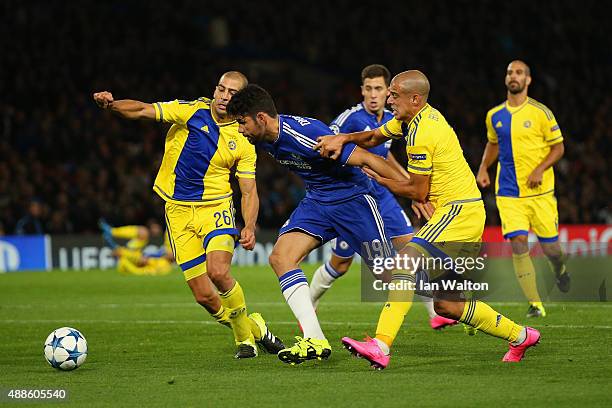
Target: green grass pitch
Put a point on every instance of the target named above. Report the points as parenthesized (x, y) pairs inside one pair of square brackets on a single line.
[(151, 345)]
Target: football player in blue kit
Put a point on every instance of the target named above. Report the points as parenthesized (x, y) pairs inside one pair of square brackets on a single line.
[(337, 194)]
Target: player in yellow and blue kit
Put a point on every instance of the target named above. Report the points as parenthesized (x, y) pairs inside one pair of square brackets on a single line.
[(438, 172), (202, 146), (370, 114), (525, 136)]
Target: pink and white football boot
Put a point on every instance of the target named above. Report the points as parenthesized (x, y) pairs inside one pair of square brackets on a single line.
[(368, 349)]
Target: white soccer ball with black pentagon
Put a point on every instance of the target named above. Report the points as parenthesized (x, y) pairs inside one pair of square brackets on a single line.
[(65, 348)]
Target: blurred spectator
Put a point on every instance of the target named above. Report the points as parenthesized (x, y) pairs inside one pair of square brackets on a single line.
[(86, 164), (32, 223)]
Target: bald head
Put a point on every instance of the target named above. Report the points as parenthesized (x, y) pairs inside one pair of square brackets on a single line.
[(519, 64), (413, 82), (235, 75), (229, 84)]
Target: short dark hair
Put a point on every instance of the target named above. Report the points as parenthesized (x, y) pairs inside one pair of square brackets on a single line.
[(375, 71), (251, 100)]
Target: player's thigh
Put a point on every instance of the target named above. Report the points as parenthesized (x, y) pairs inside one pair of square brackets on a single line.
[(545, 218), (397, 223), (309, 218), (455, 223), (454, 231), (290, 249), (514, 213), (360, 222), (217, 220), (184, 239), (341, 249)]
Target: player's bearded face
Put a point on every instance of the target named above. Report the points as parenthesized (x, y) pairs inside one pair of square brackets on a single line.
[(250, 128), (516, 79), (515, 85)]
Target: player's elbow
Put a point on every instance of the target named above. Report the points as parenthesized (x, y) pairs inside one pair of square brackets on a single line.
[(560, 147)]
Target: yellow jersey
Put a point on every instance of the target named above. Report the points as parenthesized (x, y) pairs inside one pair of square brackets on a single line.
[(199, 154), (524, 134), (433, 149)]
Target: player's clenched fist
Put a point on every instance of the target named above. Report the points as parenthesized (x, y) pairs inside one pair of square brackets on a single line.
[(103, 99), (483, 178)]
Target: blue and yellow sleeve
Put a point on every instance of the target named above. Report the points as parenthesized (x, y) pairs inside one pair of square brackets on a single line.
[(176, 111), (491, 133)]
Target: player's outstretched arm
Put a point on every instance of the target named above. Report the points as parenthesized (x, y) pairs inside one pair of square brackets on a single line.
[(126, 108), (250, 209), (489, 156), (331, 146)]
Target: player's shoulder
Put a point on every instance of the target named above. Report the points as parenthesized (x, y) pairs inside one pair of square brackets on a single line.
[(348, 114), (540, 107), (496, 109), (303, 124), (430, 116)]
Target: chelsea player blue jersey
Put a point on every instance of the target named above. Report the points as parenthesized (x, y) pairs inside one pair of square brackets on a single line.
[(358, 119), (327, 181)]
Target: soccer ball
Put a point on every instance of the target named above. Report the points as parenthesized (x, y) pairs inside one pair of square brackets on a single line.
[(65, 348)]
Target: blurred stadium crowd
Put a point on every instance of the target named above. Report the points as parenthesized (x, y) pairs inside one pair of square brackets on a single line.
[(64, 163)]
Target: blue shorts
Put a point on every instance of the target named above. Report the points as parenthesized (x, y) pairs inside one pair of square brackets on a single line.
[(396, 222), (357, 220)]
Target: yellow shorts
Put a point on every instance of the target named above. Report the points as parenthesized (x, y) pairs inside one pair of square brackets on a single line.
[(454, 230), (539, 213), (194, 230)]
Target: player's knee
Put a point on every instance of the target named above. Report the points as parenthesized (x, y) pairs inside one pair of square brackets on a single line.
[(553, 250), (277, 260), (447, 309), (520, 244), (218, 273), (341, 265)]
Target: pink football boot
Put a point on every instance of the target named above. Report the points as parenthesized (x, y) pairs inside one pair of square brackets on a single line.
[(439, 322), (516, 353), (367, 349)]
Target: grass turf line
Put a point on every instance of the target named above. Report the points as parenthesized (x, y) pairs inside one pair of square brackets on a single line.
[(150, 345)]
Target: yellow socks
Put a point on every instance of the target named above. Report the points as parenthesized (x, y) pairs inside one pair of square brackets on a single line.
[(481, 316), (390, 321), (526, 275), (234, 301), (392, 316), (223, 317)]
